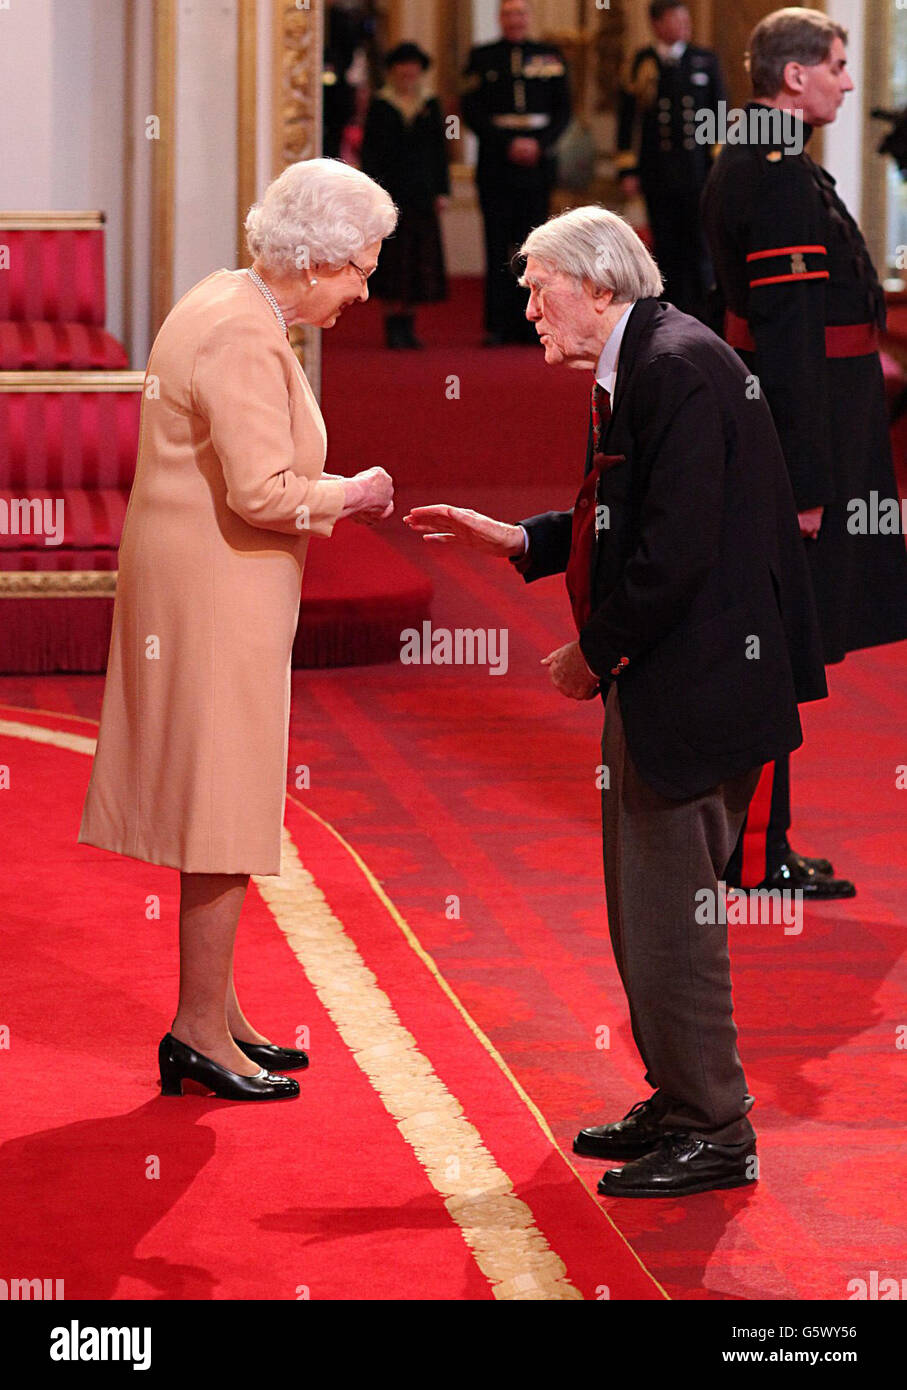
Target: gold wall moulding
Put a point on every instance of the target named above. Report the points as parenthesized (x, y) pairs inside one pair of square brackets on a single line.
[(19, 382), (298, 37), (163, 161), (58, 583), (246, 120), (51, 221), (296, 83)]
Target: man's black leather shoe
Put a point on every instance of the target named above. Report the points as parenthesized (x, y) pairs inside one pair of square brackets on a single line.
[(813, 885), (682, 1165), (636, 1134), (803, 862)]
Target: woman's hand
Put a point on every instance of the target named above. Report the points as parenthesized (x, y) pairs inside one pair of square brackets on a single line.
[(369, 496), (445, 524)]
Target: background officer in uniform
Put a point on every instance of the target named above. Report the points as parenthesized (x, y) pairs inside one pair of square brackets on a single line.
[(657, 150), (804, 308), (516, 98)]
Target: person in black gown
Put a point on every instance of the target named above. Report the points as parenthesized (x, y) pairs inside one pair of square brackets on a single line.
[(404, 149)]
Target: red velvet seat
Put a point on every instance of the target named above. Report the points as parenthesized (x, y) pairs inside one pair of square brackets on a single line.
[(70, 438), (64, 430), (53, 293), (37, 346), (53, 560), (91, 519)]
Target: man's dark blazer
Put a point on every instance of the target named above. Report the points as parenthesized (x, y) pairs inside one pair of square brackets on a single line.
[(700, 565)]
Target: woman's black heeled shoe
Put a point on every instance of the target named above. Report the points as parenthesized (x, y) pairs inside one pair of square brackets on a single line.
[(180, 1063), (274, 1058)]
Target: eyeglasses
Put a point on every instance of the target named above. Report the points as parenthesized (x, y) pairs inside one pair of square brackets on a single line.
[(363, 274)]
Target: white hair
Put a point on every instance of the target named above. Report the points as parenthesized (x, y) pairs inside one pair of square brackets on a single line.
[(318, 212), (594, 244)]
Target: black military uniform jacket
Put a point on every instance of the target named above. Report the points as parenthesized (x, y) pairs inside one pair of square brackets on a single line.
[(656, 128), (803, 307), (515, 89), (701, 555)]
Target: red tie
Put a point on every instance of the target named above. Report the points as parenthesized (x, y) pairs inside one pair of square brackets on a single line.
[(601, 414), (582, 547)]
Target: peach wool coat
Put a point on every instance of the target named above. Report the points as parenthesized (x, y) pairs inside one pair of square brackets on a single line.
[(191, 762)]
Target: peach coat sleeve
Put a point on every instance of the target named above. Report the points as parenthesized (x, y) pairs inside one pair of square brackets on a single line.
[(244, 397)]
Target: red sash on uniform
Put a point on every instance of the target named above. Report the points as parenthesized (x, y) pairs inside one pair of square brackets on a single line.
[(582, 544), (841, 339)]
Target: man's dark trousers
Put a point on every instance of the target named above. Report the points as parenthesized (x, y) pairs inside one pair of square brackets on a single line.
[(675, 971)]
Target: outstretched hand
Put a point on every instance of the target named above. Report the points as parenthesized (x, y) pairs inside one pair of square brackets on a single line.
[(462, 525)]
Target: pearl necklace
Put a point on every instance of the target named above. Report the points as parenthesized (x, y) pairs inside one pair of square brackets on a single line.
[(260, 285)]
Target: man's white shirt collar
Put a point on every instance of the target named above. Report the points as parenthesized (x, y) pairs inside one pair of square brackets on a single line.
[(606, 371), (671, 52)]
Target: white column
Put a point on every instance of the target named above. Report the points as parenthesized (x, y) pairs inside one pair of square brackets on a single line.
[(486, 26), (206, 120), (264, 154), (140, 103)]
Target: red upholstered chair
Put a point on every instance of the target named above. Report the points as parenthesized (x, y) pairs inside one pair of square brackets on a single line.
[(68, 443), (53, 293), (71, 438)]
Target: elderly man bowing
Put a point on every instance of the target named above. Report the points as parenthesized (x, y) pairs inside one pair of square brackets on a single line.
[(697, 626)]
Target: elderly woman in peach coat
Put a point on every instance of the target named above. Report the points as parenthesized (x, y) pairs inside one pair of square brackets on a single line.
[(191, 762)]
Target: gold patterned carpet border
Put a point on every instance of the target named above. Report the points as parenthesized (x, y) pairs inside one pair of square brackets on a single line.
[(497, 1226)]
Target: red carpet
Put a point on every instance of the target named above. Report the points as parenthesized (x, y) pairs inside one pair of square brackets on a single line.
[(124, 1194), (471, 798)]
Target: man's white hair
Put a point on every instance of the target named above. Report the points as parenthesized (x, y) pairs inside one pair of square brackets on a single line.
[(318, 212), (594, 244)]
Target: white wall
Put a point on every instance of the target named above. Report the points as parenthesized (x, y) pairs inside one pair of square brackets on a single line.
[(87, 140), (67, 119), (843, 138), (26, 81), (61, 75)]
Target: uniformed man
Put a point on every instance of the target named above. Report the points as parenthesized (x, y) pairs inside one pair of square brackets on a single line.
[(804, 308), (658, 153), (516, 98)]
